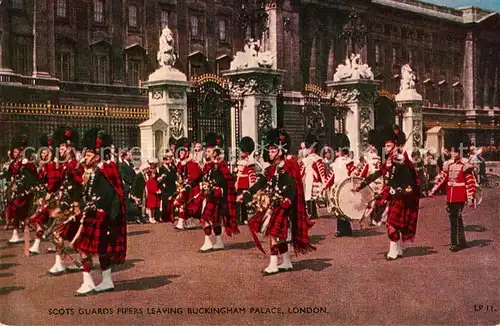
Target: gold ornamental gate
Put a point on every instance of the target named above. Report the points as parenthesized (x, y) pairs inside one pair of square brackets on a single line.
[(37, 119)]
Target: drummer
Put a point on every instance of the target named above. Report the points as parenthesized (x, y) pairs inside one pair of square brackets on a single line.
[(342, 168), (314, 175)]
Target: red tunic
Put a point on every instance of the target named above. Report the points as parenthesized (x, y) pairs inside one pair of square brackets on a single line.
[(459, 179), (152, 197), (246, 175)]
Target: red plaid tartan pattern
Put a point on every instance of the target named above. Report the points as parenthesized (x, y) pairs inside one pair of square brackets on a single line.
[(117, 239), (54, 177), (300, 222), (278, 223), (230, 221), (41, 216), (210, 212), (76, 169), (95, 238), (402, 216), (69, 230), (18, 210)]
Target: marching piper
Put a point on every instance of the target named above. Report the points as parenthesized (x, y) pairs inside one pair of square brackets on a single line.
[(103, 229), (22, 175), (188, 201), (299, 234), (245, 174), (458, 176), (402, 193), (219, 196), (50, 176), (314, 174), (277, 213), (67, 139)]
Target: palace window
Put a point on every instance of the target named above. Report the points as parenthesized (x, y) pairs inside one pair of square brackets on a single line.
[(222, 30), (101, 69), (61, 8), (99, 11), (133, 72), (164, 15), (194, 27), (64, 65), (132, 16), (20, 59), (18, 4)]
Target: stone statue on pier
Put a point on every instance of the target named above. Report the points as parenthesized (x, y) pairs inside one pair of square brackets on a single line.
[(252, 57), (166, 58), (353, 69), (407, 78)]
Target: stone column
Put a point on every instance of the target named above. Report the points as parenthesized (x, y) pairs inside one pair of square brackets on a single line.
[(410, 103), (257, 88), (41, 39), (270, 37), (5, 58), (118, 29), (469, 72), (357, 96)]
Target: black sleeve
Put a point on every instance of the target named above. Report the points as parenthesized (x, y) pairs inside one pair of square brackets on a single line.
[(369, 179), (138, 185), (105, 192), (259, 184), (289, 187)]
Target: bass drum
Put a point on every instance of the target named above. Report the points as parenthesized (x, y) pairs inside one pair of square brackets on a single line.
[(352, 205)]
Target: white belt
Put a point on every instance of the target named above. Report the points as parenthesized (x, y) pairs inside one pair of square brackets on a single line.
[(456, 184)]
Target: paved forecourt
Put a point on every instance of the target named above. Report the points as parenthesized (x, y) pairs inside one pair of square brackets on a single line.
[(165, 281)]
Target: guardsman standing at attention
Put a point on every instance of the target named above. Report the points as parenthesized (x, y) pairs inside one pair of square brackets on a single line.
[(461, 188)]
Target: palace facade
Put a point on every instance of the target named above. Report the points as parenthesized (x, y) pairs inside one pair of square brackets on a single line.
[(98, 52)]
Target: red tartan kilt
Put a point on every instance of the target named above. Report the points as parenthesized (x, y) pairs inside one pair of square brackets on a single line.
[(18, 210), (210, 212), (41, 217), (193, 208), (168, 211), (69, 230), (278, 224), (95, 239), (402, 215)]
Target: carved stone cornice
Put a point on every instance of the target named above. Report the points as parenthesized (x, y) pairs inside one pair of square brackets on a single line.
[(254, 82), (356, 91)]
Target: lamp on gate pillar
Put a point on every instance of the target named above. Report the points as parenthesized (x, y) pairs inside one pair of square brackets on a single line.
[(354, 32), (252, 17)]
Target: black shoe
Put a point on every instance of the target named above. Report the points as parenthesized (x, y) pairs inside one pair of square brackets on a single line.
[(139, 221), (454, 248)]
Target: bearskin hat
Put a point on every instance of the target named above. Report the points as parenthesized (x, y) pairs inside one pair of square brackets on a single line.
[(278, 138), (47, 140), (247, 145), (213, 140), (312, 141), (172, 141), (399, 135), (183, 143), (395, 135), (66, 135), (20, 143), (98, 140)]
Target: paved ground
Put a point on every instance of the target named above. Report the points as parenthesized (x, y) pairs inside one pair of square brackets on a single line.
[(346, 281)]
